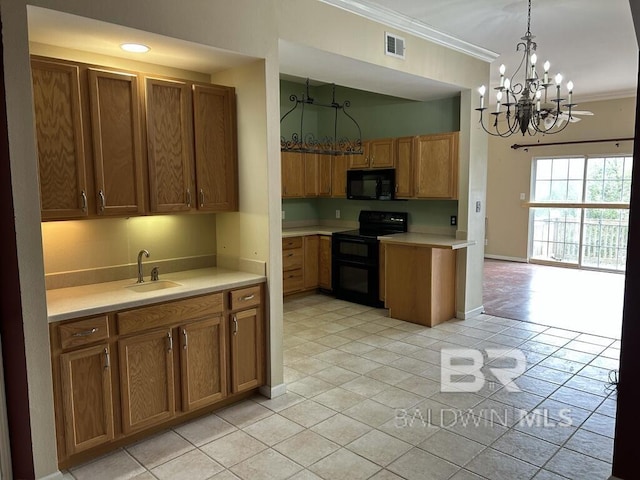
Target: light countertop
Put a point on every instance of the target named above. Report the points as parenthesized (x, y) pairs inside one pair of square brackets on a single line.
[(96, 299), (426, 240), (312, 230)]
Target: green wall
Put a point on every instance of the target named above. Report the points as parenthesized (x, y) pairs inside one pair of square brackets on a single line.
[(379, 116)]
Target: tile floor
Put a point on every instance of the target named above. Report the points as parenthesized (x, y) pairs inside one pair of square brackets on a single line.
[(364, 401)]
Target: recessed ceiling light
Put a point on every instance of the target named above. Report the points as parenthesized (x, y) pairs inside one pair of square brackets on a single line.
[(134, 47)]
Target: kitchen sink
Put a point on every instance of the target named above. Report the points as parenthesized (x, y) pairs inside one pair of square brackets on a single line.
[(152, 286)]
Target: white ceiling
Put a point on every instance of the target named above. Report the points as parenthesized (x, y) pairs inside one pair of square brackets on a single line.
[(591, 42)]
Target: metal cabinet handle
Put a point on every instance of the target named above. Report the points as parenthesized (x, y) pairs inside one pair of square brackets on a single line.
[(102, 200), (170, 338), (290, 255), (184, 333), (86, 333), (107, 361), (201, 197), (235, 325), (247, 297), (83, 194), (396, 188), (188, 197)]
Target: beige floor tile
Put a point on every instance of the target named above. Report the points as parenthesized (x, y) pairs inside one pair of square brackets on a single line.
[(292, 375), (397, 398), (376, 340), (334, 356), (381, 355), (205, 429), (600, 424), (278, 404), (224, 475), (309, 387), (266, 465), (591, 444), (419, 385), (305, 475), (359, 365), (385, 475), (233, 448), (388, 375), (466, 475), (577, 398), (339, 399), (577, 465), (370, 412), (142, 476), (273, 429), (365, 386), (452, 447), (413, 432), (306, 448), (341, 429), (379, 447), (480, 430), (417, 464), (525, 447), (244, 413), (193, 465), (357, 348), (159, 449), (498, 466), (334, 340), (308, 365), (118, 464), (336, 375), (344, 465), (547, 475), (307, 413)]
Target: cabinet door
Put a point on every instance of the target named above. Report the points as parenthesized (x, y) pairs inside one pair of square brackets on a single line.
[(146, 379), (311, 174), (381, 153), (169, 139), (324, 175), (292, 174), (247, 357), (436, 166), (339, 176), (61, 155), (360, 160), (404, 167), (203, 363), (214, 114), (324, 275), (115, 128), (86, 395), (311, 258)]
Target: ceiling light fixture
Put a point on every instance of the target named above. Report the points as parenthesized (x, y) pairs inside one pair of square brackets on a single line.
[(529, 107), (134, 47), (306, 141)]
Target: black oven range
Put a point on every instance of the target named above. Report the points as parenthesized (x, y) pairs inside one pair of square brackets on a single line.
[(355, 261)]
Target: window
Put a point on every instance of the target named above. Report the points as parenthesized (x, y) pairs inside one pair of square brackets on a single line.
[(580, 211)]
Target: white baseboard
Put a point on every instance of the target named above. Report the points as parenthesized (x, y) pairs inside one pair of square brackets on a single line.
[(275, 391), (471, 313), (53, 476), (508, 259)]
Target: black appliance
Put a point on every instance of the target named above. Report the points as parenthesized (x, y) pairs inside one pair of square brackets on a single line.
[(371, 184), (355, 260)]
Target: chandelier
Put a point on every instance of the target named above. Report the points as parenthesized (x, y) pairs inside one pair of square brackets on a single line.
[(531, 105), (305, 140)]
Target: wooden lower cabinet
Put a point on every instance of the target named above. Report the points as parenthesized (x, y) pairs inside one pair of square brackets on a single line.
[(117, 376), (324, 268), (311, 259), (146, 379), (87, 407)]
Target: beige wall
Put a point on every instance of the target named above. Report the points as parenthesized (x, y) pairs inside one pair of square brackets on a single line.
[(509, 170)]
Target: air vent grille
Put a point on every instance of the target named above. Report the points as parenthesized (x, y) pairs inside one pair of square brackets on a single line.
[(393, 45)]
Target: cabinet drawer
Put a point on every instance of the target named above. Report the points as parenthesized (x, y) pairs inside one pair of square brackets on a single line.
[(245, 298), (292, 259), (292, 281), (165, 314), (291, 242), (83, 332)]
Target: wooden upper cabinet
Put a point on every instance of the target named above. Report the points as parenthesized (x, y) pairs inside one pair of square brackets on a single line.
[(436, 166), (292, 175), (117, 149), (404, 167), (360, 160), (381, 153), (59, 132), (339, 176), (324, 175), (311, 174), (169, 139), (216, 162)]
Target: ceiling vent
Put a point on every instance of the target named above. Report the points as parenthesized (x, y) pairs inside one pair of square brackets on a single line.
[(393, 45)]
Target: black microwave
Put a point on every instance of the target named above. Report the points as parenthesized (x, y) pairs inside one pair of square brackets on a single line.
[(371, 184)]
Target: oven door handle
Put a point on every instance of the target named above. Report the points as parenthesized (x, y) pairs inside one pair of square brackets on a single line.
[(364, 263), (352, 240)]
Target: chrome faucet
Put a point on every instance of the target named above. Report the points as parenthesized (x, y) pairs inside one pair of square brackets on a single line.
[(140, 253)]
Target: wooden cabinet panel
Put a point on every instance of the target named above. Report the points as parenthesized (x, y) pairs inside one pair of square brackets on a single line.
[(360, 160), (86, 395), (292, 259), (216, 162), (311, 174), (324, 175), (169, 139), (436, 166), (339, 176), (291, 242), (404, 167), (117, 149), (324, 274), (146, 379), (381, 153), (59, 133), (382, 273), (311, 259), (83, 332), (245, 297), (247, 353), (292, 174), (203, 363), (292, 281)]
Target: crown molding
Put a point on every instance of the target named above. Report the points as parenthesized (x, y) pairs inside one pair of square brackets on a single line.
[(412, 26)]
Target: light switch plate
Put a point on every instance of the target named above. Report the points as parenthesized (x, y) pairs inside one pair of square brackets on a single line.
[(337, 213), (523, 196), (282, 214)]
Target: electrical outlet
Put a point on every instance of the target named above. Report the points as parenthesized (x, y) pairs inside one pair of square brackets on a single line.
[(454, 220), (282, 214), (337, 213), (523, 196)]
